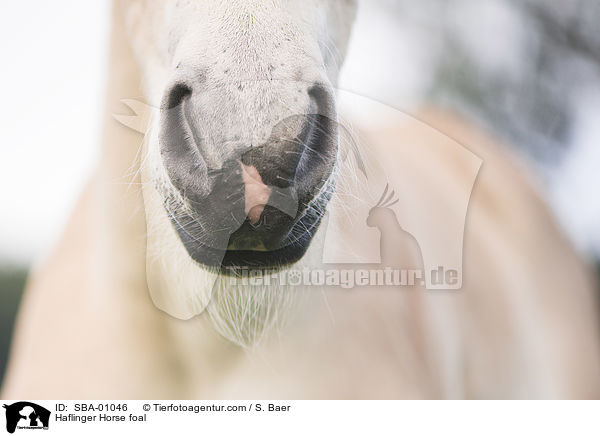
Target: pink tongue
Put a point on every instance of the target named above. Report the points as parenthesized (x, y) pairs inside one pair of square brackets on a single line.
[(257, 193)]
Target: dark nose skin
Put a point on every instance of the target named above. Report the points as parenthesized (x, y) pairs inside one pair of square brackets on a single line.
[(284, 176)]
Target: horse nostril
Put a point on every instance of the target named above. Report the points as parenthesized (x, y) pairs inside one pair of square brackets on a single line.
[(322, 97), (175, 97), (179, 146), (320, 141)]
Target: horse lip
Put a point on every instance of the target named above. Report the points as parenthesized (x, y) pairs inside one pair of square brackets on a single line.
[(227, 260)]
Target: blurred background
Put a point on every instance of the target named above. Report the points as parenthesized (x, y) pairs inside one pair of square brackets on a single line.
[(528, 71)]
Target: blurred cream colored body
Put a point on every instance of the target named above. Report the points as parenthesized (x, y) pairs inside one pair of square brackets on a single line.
[(524, 325)]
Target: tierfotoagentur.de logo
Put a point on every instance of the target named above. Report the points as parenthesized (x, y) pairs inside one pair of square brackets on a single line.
[(408, 234), (24, 415)]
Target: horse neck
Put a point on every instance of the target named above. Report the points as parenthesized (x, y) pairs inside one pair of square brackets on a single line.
[(120, 224)]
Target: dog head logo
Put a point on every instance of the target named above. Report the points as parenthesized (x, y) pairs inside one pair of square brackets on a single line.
[(26, 415)]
